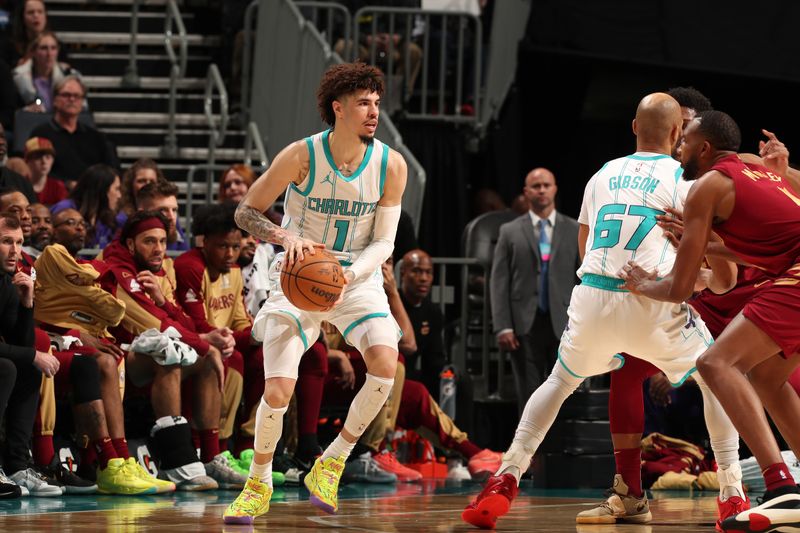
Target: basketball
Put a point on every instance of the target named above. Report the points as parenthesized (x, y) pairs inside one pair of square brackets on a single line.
[(315, 283)]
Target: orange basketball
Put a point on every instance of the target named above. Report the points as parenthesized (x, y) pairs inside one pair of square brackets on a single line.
[(315, 283)]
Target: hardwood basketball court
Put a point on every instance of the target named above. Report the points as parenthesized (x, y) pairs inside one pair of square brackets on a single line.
[(431, 506)]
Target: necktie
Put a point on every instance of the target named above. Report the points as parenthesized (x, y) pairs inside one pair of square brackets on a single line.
[(544, 252)]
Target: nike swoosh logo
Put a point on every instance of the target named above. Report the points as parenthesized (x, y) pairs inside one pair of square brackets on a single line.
[(760, 283)]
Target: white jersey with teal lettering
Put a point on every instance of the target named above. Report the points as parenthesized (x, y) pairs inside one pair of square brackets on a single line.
[(620, 204), (336, 210)]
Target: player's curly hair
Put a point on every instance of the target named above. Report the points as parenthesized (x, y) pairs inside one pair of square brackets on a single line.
[(691, 98), (343, 79), (720, 130)]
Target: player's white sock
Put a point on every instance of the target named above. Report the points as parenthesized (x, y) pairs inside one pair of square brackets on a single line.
[(263, 473), (537, 417), (363, 410), (724, 442), (269, 425)]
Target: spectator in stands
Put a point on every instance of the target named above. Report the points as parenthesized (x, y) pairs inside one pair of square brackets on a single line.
[(96, 196), (530, 290), (520, 204), (9, 98), (78, 146), (18, 165), (30, 19), (21, 366), (487, 200), (210, 291), (36, 76), (137, 276), (9, 178), (234, 183), (39, 156), (162, 196), (139, 174), (14, 202), (41, 230), (426, 362)]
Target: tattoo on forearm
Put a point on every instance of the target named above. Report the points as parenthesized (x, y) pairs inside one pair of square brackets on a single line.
[(254, 222)]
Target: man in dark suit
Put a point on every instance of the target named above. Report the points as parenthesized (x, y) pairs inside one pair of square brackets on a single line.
[(533, 274)]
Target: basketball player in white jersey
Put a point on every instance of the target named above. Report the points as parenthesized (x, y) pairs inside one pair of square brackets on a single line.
[(618, 222), (343, 190)]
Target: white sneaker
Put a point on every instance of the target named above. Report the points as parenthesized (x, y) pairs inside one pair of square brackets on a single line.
[(456, 471), (190, 477), (31, 480), (226, 477)]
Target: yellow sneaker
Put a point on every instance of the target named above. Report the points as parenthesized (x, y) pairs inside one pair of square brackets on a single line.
[(253, 501), (119, 477), (323, 483), (144, 475)]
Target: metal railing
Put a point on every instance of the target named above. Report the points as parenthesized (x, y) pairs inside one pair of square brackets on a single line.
[(177, 70), (438, 110), (247, 61), (330, 10), (217, 129), (253, 140), (131, 77)]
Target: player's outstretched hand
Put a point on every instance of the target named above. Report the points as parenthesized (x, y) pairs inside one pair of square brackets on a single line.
[(634, 276), (774, 153), (296, 248), (348, 277), (672, 224)]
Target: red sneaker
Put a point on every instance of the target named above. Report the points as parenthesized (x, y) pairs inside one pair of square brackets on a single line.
[(388, 461), (492, 503), (730, 507), (484, 464)]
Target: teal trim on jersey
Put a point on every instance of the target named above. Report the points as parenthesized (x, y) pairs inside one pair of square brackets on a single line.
[(311, 168), (604, 283), (326, 147), (299, 327), (684, 378), (345, 263), (678, 174), (571, 373), (384, 164), (349, 328), (648, 157), (621, 359)]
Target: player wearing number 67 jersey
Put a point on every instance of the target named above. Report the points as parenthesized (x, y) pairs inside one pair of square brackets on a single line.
[(617, 224), (343, 190)]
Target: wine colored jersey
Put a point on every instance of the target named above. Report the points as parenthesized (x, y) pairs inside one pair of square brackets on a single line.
[(217, 303), (764, 226)]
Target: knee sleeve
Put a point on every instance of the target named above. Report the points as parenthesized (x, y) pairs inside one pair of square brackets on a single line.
[(382, 330), (84, 375), (724, 437), (367, 403), (269, 425), (285, 341)]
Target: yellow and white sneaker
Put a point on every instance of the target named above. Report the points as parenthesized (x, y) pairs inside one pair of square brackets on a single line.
[(323, 483), (161, 485), (253, 501)]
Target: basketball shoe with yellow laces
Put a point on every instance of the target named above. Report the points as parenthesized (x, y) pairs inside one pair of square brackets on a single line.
[(323, 483), (142, 473), (253, 501)]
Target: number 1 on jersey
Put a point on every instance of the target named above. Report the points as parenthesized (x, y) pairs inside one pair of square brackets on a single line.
[(342, 227), (607, 231)]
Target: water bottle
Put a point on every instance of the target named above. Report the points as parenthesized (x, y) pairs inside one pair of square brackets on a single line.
[(447, 391)]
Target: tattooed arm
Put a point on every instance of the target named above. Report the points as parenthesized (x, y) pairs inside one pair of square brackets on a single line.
[(290, 166)]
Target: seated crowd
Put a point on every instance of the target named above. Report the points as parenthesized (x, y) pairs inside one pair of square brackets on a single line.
[(98, 319)]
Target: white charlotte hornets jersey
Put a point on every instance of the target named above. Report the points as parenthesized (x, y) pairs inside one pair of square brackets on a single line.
[(336, 210), (620, 204)]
